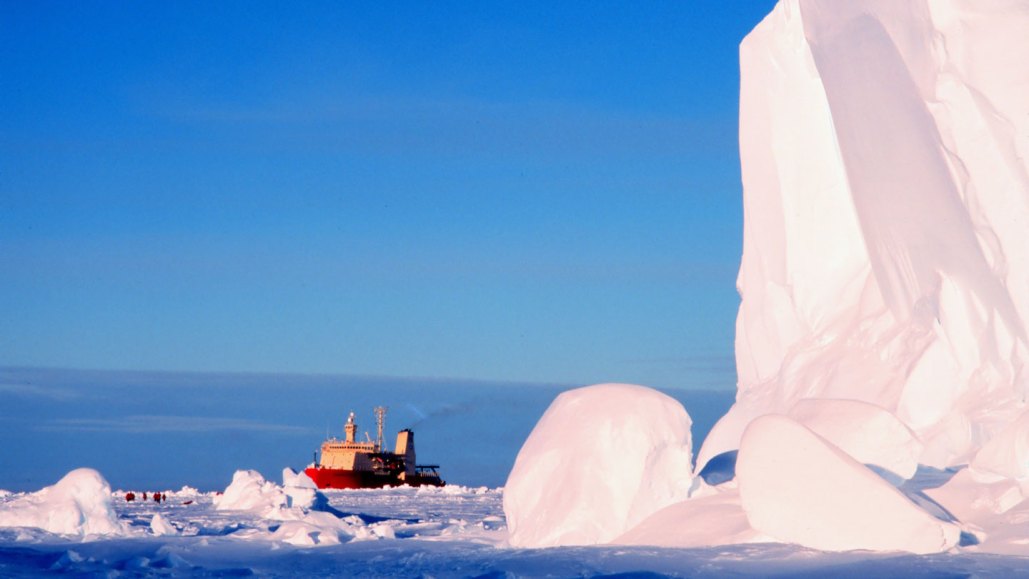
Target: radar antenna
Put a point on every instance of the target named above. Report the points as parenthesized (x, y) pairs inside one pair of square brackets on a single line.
[(380, 420)]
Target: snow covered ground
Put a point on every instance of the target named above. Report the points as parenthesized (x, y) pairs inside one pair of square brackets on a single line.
[(447, 532)]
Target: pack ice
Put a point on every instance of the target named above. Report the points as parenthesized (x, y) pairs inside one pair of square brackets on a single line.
[(885, 291)]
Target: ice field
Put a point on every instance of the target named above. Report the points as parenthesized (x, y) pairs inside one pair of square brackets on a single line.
[(447, 532)]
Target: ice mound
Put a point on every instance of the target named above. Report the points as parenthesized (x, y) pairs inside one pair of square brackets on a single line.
[(600, 460), (798, 488), (79, 504), (297, 505), (160, 526), (886, 201), (868, 433), (249, 491), (301, 491)]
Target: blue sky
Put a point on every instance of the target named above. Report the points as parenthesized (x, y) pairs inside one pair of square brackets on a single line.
[(521, 191)]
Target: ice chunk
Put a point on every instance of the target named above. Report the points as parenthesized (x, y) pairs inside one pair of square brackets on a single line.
[(886, 201), (868, 433), (305, 533), (301, 491), (79, 504), (600, 460), (295, 505), (160, 526), (798, 488), (294, 479), (250, 492)]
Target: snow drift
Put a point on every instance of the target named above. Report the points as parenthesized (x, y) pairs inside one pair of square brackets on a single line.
[(886, 198), (601, 459), (79, 505)]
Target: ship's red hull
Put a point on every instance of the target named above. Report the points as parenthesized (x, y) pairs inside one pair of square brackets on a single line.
[(332, 478)]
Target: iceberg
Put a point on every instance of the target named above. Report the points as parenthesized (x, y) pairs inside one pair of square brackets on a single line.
[(881, 340), (886, 209)]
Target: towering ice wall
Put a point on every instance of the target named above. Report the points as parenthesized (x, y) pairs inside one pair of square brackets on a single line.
[(885, 153)]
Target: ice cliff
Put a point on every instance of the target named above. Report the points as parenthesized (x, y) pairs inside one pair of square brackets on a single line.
[(885, 158)]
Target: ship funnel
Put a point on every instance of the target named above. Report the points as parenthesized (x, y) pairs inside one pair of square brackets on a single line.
[(405, 447)]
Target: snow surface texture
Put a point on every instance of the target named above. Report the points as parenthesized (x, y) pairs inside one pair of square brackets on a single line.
[(601, 459), (78, 505), (885, 156)]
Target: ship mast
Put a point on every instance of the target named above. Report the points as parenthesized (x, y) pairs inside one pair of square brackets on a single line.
[(380, 419)]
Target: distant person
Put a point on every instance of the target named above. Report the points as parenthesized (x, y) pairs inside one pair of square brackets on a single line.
[(144, 495), (130, 496)]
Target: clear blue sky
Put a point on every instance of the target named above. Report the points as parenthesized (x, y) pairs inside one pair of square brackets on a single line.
[(513, 191)]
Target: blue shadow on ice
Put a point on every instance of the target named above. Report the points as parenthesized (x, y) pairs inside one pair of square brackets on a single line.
[(720, 469)]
